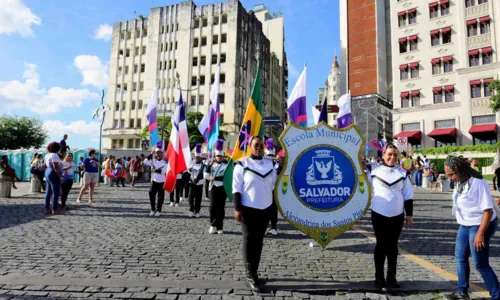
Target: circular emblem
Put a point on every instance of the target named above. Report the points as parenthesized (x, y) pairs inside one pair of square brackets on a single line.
[(324, 178)]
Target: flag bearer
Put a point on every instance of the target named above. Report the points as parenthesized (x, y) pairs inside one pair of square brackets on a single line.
[(217, 194), (253, 184), (196, 184), (158, 169)]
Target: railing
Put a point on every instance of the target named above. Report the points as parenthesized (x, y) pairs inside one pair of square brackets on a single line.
[(481, 106), (479, 41), (477, 11)]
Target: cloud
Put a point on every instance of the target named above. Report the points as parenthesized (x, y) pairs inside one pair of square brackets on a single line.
[(292, 71), (28, 94), (16, 17), (104, 32), (79, 128), (94, 72)]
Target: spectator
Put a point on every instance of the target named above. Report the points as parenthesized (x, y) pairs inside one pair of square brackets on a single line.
[(68, 176), (81, 169), (91, 176), (427, 162), (419, 168), (64, 146), (433, 177), (54, 178), (475, 165), (134, 168), (119, 173), (6, 170)]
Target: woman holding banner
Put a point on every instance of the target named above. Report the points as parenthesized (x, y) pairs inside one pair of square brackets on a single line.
[(253, 183), (392, 195)]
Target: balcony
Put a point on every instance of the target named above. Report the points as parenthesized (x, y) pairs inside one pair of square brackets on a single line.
[(121, 131), (481, 106), (477, 11), (479, 41)]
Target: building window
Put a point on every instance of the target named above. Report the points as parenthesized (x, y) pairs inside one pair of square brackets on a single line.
[(403, 71), (125, 89), (402, 19), (445, 9), (202, 79), (438, 95), (193, 100), (412, 16), (487, 58), (214, 59), (215, 39), (141, 86), (122, 123), (222, 78), (446, 36), (403, 45), (448, 64), (405, 102), (131, 125), (444, 124), (485, 25), (482, 1), (139, 123), (193, 81), (132, 105), (221, 118), (487, 91), (221, 99), (115, 123), (435, 39), (469, 3), (475, 87), (449, 94), (127, 52), (195, 42), (473, 58), (196, 23), (195, 61), (483, 142), (415, 100), (433, 11), (414, 70), (414, 44), (224, 19), (136, 51), (488, 119), (410, 126), (139, 106), (134, 87), (223, 38), (136, 69), (436, 68), (161, 47), (204, 22), (203, 40), (471, 28), (203, 61), (201, 100), (215, 20), (222, 58), (130, 143), (143, 68)]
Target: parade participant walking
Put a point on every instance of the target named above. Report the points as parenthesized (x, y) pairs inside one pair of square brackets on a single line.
[(175, 196), (135, 164), (271, 153), (474, 210), (196, 184), (217, 194), (54, 178), (68, 175), (119, 173), (158, 170), (253, 184), (90, 177), (207, 161), (392, 196)]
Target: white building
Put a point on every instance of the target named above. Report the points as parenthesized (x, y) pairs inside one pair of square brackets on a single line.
[(187, 42), (331, 92), (444, 56)]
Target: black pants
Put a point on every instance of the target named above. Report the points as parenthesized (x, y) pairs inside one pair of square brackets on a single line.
[(274, 215), (179, 187), (206, 188), (217, 206), (195, 194), (387, 231), (120, 180), (66, 187), (156, 188), (185, 180), (253, 229)]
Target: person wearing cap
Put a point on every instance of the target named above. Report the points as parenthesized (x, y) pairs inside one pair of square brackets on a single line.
[(271, 153), (207, 161), (217, 195), (159, 170), (196, 184), (253, 183)]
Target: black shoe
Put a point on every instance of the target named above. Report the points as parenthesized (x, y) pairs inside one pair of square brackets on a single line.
[(381, 285), (392, 283), (253, 284), (456, 296)]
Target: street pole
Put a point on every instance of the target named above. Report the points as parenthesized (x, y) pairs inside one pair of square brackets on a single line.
[(197, 88)]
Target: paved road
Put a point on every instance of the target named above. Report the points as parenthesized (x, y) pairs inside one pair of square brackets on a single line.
[(114, 249)]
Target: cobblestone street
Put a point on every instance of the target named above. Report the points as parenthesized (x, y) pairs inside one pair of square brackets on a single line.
[(115, 250)]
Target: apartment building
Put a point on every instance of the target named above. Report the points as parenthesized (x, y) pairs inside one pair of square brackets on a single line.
[(182, 45), (331, 92), (366, 70), (444, 57)]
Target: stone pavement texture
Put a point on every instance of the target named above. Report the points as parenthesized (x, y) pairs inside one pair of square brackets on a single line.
[(115, 250)]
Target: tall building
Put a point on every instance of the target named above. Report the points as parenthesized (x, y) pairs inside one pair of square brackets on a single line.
[(331, 92), (273, 27), (444, 56), (183, 43), (366, 65)]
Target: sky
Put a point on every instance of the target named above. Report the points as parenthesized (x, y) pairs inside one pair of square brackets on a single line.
[(55, 58)]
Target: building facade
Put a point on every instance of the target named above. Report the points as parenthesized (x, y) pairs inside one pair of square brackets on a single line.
[(444, 56), (331, 92), (183, 44), (366, 70)]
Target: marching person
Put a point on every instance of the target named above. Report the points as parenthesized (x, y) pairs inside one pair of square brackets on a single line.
[(179, 187), (392, 196), (253, 184), (271, 153), (196, 184), (158, 171), (207, 161), (217, 194), (474, 210)]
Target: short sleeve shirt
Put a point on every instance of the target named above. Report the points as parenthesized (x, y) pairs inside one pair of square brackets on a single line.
[(90, 165), (472, 202), (52, 158)]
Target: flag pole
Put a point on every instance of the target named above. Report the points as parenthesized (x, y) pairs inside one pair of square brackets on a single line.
[(100, 140)]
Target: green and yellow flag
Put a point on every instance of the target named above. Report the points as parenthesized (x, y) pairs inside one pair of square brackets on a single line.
[(251, 126)]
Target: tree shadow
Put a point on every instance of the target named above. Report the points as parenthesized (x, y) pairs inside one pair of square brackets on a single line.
[(17, 214)]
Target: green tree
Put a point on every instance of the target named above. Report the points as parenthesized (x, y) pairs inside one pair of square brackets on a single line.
[(495, 96), (21, 132), (164, 127)]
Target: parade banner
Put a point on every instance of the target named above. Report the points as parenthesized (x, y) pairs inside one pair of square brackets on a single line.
[(323, 189)]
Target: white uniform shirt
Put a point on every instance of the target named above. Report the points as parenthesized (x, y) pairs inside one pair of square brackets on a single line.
[(390, 189), (195, 170), (157, 164), (469, 206), (216, 170), (254, 179)]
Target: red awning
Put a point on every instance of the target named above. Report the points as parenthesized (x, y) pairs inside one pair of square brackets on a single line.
[(444, 2), (412, 10), (433, 4), (404, 94), (487, 80), (449, 88), (402, 40), (417, 135), (475, 82), (435, 61), (402, 13), (415, 93), (484, 19), (483, 128), (473, 52), (447, 58), (414, 65), (437, 89), (403, 67), (442, 132), (413, 37), (471, 22), (435, 32), (446, 29), (486, 50)]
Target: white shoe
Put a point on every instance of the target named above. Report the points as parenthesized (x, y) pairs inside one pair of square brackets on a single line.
[(273, 232), (206, 198), (158, 214), (152, 213), (220, 232), (191, 214), (171, 204), (197, 215), (181, 199), (212, 230), (313, 244), (176, 204)]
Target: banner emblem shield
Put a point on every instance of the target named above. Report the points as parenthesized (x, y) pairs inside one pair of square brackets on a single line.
[(322, 189)]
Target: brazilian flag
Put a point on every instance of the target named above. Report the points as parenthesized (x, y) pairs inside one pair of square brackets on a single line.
[(251, 126)]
